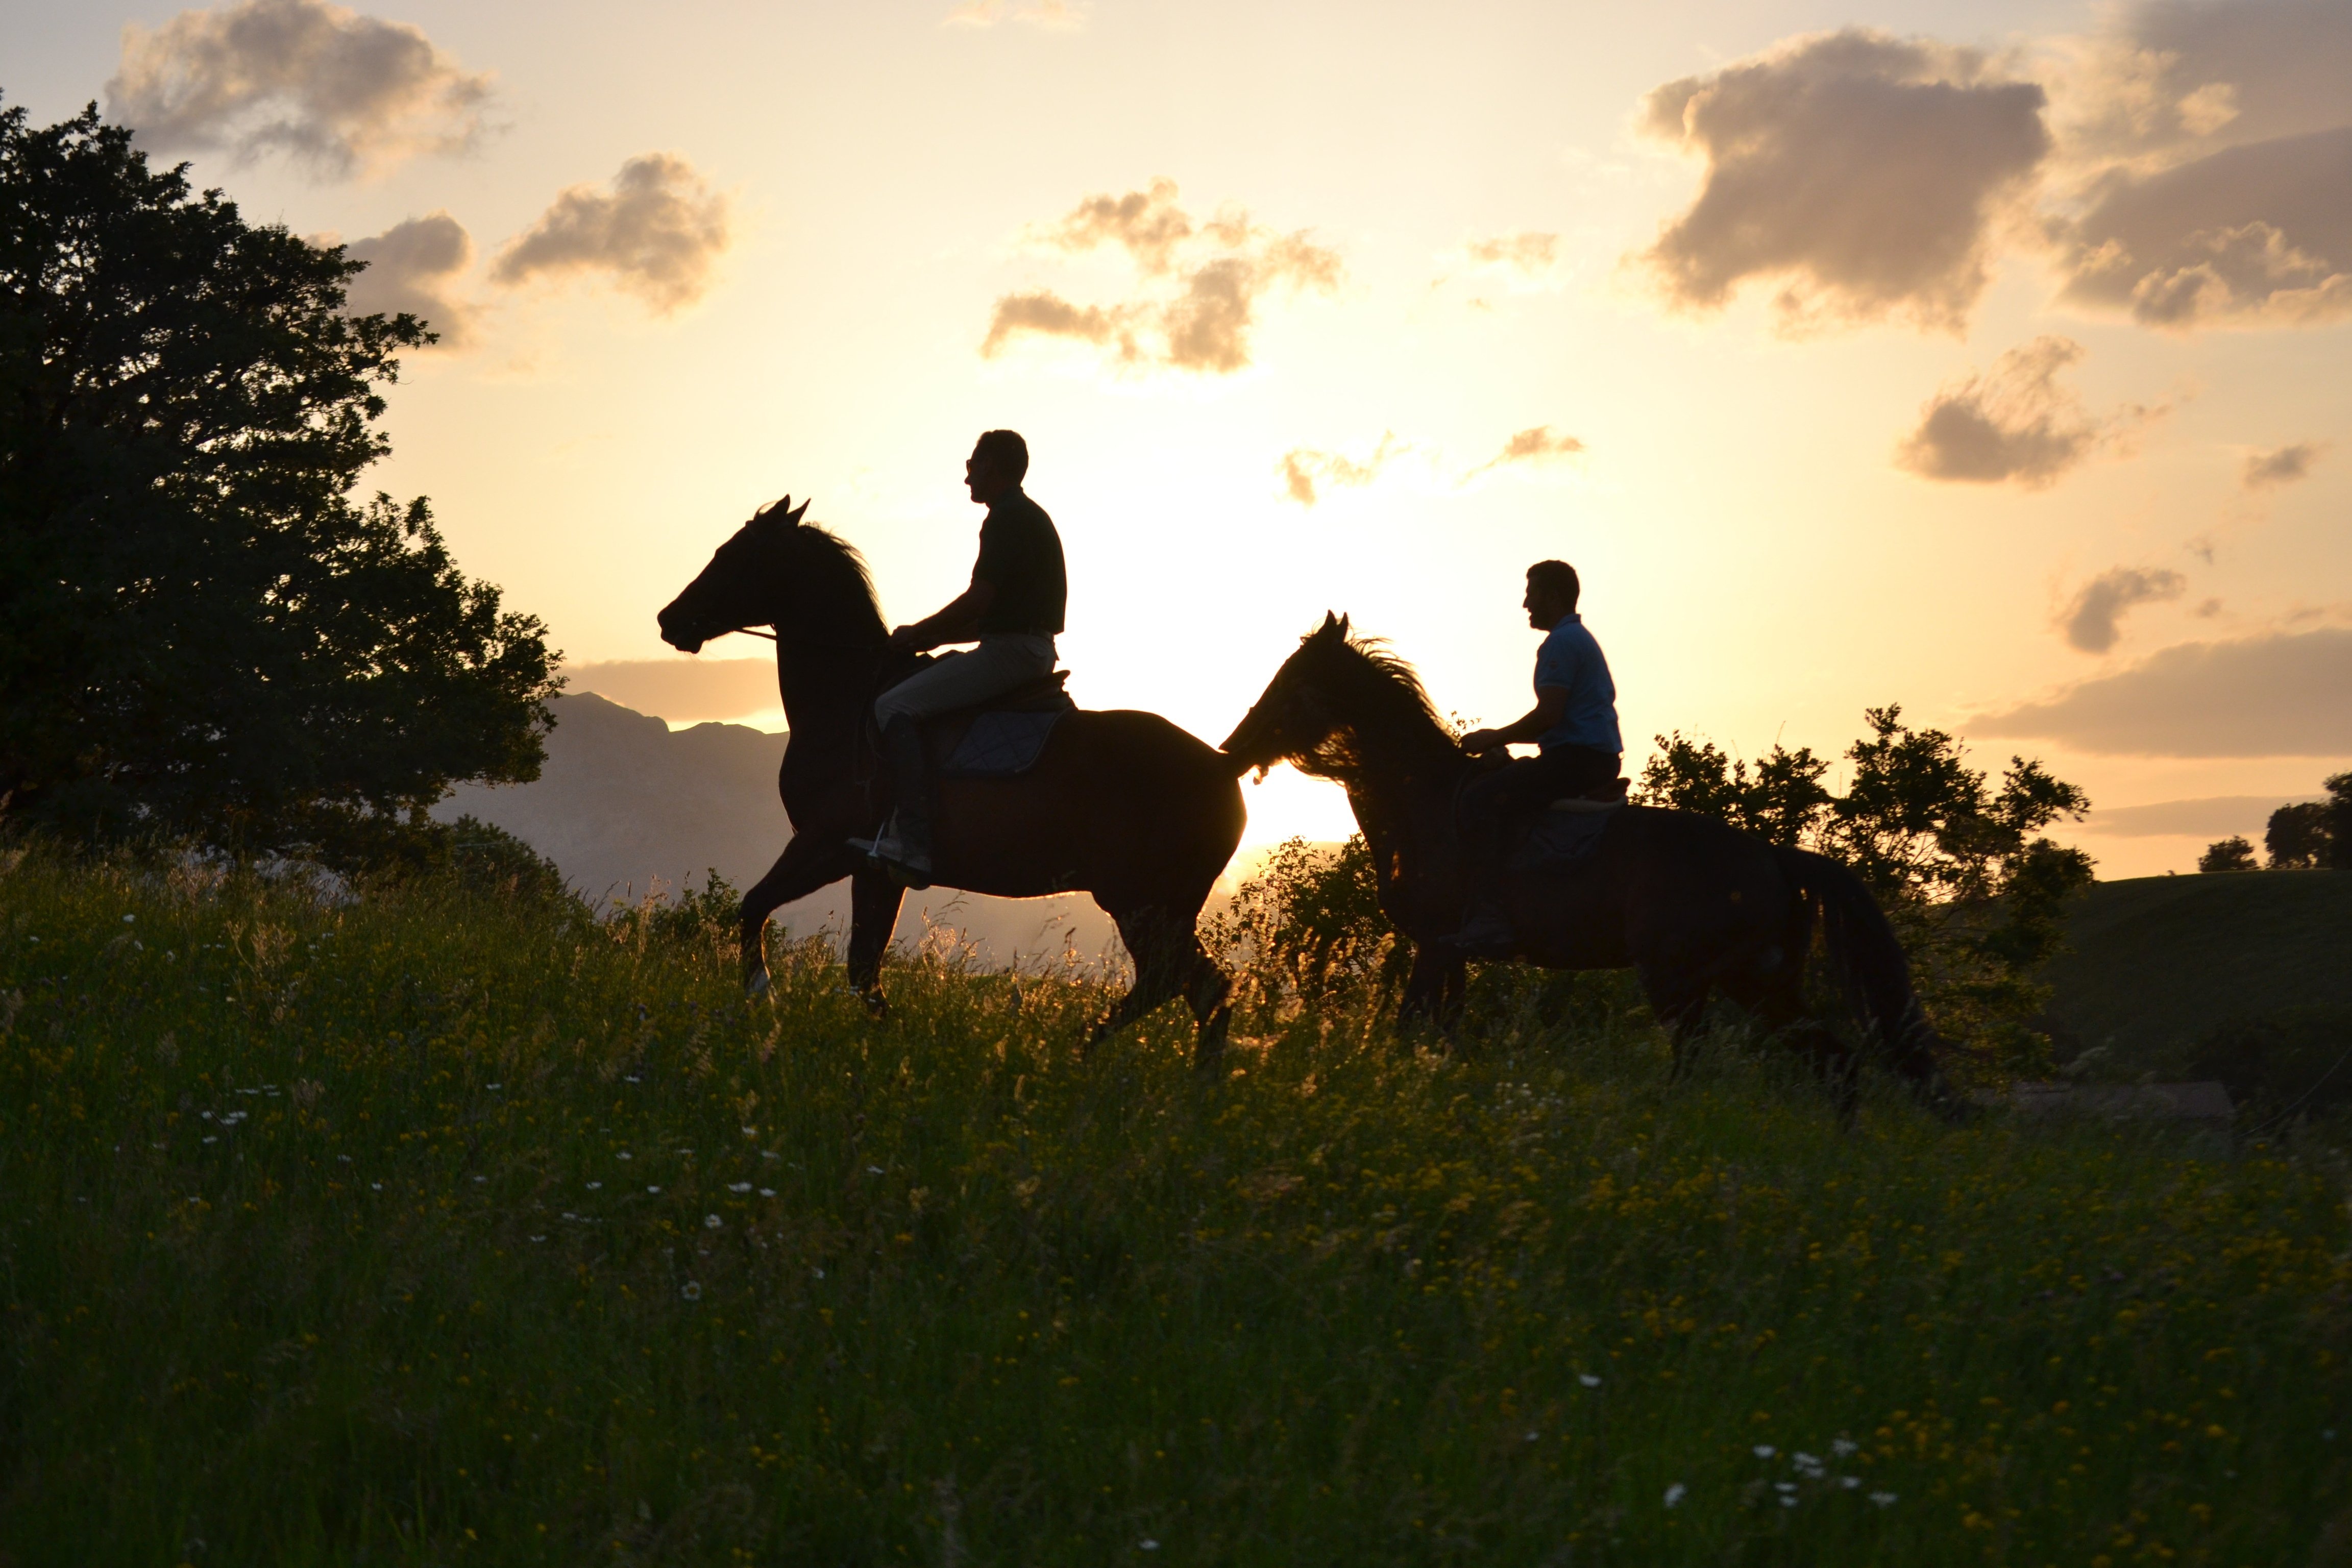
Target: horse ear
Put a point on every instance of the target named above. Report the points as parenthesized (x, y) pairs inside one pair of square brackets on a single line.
[(795, 518), (1343, 626), (769, 516), (1331, 621)]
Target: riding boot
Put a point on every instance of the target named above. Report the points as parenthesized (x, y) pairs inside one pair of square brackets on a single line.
[(1485, 931), (904, 849)]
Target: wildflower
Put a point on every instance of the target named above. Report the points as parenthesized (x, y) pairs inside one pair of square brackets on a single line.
[(750, 1132), (713, 1222), (1533, 1435), (625, 1154), (1848, 1482), (629, 1078), (128, 919), (212, 1140), (375, 1186), (1841, 1446), (342, 1159), (481, 1180), (738, 1187), (652, 1189), (770, 1154), (1884, 1500), (767, 1191), (538, 1238), (595, 1186), (1784, 1486), (875, 1170), (1764, 1450), (1675, 1493), (691, 1290), (1788, 1501), (1586, 1379), (1804, 1461), (1147, 1544), (817, 1273), (495, 1087)]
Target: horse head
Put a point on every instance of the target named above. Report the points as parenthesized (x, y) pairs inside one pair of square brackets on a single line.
[(1293, 716), (738, 589)]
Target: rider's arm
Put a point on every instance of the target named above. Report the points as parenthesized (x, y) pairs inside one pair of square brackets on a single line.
[(1551, 701), (959, 621)]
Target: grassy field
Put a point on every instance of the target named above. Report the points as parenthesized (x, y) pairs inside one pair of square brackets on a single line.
[(2161, 961), (440, 1228)]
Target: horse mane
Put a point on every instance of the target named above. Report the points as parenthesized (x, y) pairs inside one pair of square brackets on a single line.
[(1388, 710), (844, 564)]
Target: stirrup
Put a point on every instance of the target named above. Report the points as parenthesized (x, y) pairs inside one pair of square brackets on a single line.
[(890, 855)]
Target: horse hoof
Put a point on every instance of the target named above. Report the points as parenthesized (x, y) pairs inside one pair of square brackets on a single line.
[(878, 1006)]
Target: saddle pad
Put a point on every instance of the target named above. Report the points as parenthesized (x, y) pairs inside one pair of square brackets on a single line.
[(1001, 744), (1559, 839)]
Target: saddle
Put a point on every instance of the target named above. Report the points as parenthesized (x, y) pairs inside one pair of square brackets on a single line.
[(1567, 832), (1000, 737), (1601, 797)]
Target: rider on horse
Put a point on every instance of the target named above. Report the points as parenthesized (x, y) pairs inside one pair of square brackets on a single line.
[(1013, 610), (1573, 723)]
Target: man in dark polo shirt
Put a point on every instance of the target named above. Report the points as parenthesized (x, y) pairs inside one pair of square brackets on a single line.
[(1013, 610)]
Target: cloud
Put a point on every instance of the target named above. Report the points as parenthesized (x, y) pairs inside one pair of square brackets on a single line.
[(1867, 172), (2093, 618), (2170, 74), (683, 690), (2014, 422), (655, 233), (2209, 817), (412, 267), (1529, 445), (337, 92), (1200, 282), (2285, 694), (2282, 467), (1054, 14), (1303, 468), (1528, 253), (2258, 235)]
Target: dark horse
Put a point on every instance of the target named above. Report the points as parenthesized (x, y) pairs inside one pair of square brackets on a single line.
[(1694, 906), (1124, 806)]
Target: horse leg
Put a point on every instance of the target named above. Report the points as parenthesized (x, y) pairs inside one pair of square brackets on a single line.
[(1209, 995), (1678, 1000), (1778, 1002), (1160, 968), (1433, 990), (807, 864), (874, 900)]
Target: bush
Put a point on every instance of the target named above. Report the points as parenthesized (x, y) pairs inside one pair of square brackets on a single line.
[(2233, 854)]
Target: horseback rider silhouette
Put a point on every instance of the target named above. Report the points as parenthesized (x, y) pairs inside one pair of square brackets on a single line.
[(1012, 610), (1574, 723)]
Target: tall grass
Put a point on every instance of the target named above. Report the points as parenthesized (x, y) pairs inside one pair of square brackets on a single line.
[(443, 1227)]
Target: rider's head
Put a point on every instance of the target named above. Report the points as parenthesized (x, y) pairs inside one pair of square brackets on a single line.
[(1552, 590), (999, 461)]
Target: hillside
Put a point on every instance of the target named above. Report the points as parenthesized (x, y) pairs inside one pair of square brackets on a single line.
[(624, 803), (2159, 963)]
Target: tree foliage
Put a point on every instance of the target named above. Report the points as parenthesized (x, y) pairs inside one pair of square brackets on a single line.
[(2230, 854), (1973, 885), (201, 630)]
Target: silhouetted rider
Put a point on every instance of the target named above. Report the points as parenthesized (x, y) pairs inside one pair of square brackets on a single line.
[(1574, 723), (1013, 608)]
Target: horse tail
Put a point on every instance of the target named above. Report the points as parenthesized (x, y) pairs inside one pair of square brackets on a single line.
[(1870, 967)]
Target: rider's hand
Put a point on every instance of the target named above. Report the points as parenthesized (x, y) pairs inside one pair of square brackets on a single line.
[(905, 639), (1478, 742)]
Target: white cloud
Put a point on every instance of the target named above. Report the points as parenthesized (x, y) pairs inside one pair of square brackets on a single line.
[(2285, 694), (2093, 618), (1868, 175), (339, 93), (1303, 469), (1051, 15), (1200, 282), (1535, 444), (412, 267), (2265, 470), (2014, 422), (656, 233)]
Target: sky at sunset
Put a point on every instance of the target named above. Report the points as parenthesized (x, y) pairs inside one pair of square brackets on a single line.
[(1990, 359)]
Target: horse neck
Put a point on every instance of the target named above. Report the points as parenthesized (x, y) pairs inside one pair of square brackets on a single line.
[(830, 647)]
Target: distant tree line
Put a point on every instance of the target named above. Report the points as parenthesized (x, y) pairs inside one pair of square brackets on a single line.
[(2308, 835), (205, 631)]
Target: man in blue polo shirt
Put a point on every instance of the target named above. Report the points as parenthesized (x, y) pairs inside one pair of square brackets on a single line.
[(1574, 726)]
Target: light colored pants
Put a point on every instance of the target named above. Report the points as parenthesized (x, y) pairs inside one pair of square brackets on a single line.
[(999, 664)]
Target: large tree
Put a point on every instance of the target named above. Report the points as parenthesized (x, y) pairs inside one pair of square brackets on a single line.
[(201, 629)]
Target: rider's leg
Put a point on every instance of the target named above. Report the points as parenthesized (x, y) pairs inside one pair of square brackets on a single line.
[(997, 665), (1484, 815)]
